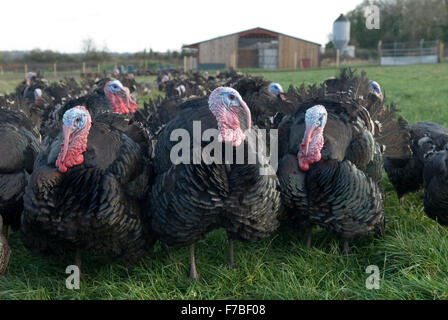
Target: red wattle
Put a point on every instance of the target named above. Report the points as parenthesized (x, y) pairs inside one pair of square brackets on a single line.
[(71, 153)]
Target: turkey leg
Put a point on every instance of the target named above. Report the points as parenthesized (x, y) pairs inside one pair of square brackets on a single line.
[(193, 273), (346, 247), (308, 237)]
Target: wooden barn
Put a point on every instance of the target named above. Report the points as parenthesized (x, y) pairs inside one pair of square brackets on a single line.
[(256, 48)]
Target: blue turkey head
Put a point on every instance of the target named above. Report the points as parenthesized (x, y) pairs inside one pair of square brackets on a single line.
[(276, 90)]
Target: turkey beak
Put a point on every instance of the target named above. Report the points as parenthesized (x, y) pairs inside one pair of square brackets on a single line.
[(248, 114), (281, 96), (307, 139), (66, 132)]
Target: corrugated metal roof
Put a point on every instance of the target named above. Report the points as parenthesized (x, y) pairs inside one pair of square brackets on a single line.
[(249, 30)]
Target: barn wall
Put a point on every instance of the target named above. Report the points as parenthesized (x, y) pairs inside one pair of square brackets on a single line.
[(219, 50), (289, 48)]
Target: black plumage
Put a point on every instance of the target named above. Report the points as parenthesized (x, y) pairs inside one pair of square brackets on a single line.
[(5, 250), (425, 168), (96, 205), (406, 173), (435, 182), (263, 104), (19, 146), (189, 200), (339, 191)]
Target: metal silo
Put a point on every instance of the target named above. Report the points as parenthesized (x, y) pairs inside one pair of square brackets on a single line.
[(341, 35), (341, 32)]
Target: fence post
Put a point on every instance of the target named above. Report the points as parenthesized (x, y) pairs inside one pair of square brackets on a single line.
[(380, 51), (233, 60), (55, 69), (83, 67), (26, 68), (185, 63), (295, 60), (1, 69), (99, 68), (190, 63), (337, 58), (440, 52)]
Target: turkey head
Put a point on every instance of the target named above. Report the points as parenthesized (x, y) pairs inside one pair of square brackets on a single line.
[(76, 126), (313, 139), (119, 97), (225, 103)]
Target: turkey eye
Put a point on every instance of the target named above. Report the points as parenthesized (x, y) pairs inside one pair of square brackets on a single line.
[(231, 97)]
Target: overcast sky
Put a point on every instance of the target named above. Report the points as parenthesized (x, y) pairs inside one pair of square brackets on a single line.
[(131, 25)]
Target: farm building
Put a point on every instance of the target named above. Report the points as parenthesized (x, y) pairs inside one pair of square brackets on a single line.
[(256, 48)]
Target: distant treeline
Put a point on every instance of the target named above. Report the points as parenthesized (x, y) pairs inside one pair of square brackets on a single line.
[(400, 21), (94, 56)]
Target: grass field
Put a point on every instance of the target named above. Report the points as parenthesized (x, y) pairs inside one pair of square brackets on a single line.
[(412, 257)]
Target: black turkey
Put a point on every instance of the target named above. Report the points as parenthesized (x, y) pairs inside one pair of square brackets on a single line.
[(406, 174), (435, 182), (264, 98), (25, 90), (108, 95), (332, 160), (191, 198), (36, 110), (156, 113), (5, 250), (63, 90), (87, 189), (19, 146)]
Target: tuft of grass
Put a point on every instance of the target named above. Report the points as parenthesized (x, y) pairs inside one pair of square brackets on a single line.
[(412, 257)]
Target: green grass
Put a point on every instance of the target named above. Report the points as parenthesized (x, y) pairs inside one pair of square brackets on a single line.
[(412, 257)]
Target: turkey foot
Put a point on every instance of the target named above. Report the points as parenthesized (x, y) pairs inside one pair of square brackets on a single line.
[(193, 273), (346, 247)]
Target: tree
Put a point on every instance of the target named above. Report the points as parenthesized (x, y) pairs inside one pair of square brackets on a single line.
[(88, 45), (400, 21), (91, 53)]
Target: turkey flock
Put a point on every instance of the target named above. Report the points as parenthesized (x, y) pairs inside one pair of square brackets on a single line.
[(84, 169)]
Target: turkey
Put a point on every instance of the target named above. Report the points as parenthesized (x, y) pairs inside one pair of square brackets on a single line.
[(265, 99), (63, 90), (88, 187), (42, 104), (19, 146), (189, 199), (107, 95), (25, 90), (5, 251), (331, 160), (406, 174), (435, 182), (156, 113), (112, 96)]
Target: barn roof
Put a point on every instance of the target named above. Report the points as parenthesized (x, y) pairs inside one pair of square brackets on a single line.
[(245, 32)]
